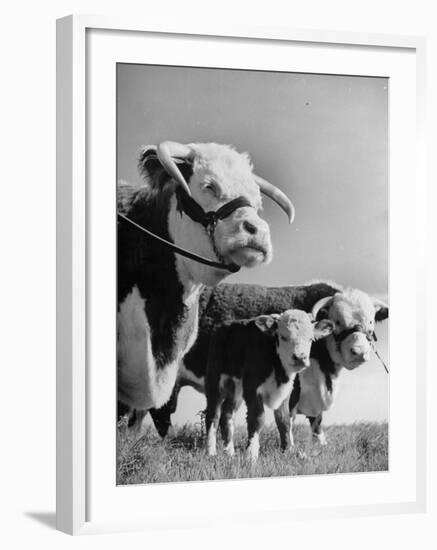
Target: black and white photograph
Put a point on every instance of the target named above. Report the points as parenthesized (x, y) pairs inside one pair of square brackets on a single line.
[(218, 280), (252, 274)]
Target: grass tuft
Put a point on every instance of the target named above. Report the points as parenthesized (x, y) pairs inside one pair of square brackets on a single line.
[(360, 447)]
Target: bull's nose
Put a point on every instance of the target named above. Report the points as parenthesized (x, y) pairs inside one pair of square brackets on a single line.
[(250, 227)]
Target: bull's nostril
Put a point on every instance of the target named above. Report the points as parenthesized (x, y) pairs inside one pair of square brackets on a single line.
[(249, 227)]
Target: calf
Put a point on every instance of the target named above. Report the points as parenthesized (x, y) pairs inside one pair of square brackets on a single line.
[(255, 360), (222, 305), (353, 314)]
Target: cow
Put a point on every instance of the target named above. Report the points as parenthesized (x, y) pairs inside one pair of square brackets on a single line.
[(228, 302), (223, 304), (202, 196), (354, 314), (255, 361)]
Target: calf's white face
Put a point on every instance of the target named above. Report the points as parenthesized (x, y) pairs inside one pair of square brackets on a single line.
[(348, 310), (294, 333)]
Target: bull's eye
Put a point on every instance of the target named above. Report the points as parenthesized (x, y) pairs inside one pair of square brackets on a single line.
[(211, 188)]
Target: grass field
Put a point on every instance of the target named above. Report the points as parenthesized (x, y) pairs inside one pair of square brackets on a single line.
[(360, 447)]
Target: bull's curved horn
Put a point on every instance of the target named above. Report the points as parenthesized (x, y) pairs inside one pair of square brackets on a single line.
[(276, 195), (167, 152), (323, 302)]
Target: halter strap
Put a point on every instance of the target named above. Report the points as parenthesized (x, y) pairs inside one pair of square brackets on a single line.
[(208, 219), (233, 268), (348, 331)]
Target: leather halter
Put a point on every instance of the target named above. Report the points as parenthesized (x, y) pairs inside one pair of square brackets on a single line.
[(370, 335), (208, 220)]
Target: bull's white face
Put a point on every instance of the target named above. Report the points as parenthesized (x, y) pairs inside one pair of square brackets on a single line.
[(220, 174), (294, 333), (350, 309)]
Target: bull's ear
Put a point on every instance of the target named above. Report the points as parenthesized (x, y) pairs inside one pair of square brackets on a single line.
[(266, 323), (381, 310), (323, 328), (148, 162), (151, 168)]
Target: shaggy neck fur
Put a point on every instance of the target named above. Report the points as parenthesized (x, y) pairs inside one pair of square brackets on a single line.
[(166, 286)]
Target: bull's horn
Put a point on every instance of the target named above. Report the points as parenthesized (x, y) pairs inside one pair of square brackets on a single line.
[(323, 302), (276, 195), (167, 152)]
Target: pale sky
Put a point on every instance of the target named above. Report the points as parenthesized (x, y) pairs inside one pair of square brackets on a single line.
[(322, 139)]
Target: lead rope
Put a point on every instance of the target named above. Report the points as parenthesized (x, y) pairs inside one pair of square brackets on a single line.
[(380, 358), (372, 343), (171, 246)]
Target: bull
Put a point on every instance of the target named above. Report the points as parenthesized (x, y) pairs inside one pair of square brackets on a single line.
[(204, 196)]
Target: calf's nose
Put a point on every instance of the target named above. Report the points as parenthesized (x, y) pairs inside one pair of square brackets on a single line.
[(302, 360), (359, 353)]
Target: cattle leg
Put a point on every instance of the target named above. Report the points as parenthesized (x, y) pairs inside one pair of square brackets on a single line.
[(212, 416), (123, 410), (227, 425), (162, 417), (255, 423), (135, 422), (284, 424), (316, 428)]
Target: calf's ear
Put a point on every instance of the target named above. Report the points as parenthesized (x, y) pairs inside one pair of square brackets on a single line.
[(381, 310), (323, 328), (266, 323)]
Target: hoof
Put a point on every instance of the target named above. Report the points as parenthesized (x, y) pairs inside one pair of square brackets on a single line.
[(211, 451), (171, 433), (229, 451), (251, 457), (320, 439)]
